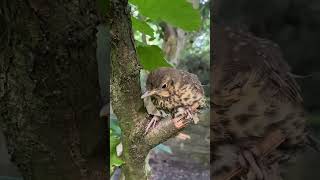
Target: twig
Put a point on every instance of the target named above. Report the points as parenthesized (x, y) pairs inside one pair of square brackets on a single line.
[(265, 147), (166, 129)]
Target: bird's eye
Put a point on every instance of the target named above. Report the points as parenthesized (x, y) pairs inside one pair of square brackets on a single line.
[(164, 86)]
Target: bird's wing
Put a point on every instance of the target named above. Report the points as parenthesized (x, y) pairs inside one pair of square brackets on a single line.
[(253, 95), (270, 67), (257, 61), (251, 82), (189, 78)]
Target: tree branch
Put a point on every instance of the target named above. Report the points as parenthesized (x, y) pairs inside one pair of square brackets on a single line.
[(262, 149), (164, 130)]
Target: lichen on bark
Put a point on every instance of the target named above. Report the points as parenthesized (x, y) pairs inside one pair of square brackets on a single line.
[(125, 96)]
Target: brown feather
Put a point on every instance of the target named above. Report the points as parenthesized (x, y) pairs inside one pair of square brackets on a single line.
[(253, 94)]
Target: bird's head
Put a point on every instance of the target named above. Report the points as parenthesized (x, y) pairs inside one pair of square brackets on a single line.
[(160, 83)]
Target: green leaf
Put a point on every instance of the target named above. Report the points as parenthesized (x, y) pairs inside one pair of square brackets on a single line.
[(141, 26), (179, 13), (114, 126), (151, 57), (139, 43), (114, 159)]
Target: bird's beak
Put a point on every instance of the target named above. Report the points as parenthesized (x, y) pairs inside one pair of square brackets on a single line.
[(148, 93)]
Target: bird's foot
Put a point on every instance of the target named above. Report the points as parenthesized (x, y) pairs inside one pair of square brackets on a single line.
[(188, 113), (248, 161), (192, 114), (180, 122), (152, 123)]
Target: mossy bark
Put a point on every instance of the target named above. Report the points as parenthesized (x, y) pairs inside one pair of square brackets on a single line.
[(126, 92), (125, 96), (49, 90)]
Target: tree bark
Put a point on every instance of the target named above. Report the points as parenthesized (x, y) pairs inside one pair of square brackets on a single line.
[(125, 90), (125, 97), (49, 90)]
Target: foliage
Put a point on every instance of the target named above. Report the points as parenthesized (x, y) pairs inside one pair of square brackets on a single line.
[(157, 60), (200, 40), (114, 159), (115, 140), (142, 26), (178, 13), (154, 12)]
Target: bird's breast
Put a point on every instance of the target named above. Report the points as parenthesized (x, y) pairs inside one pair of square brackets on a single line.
[(188, 95), (178, 99), (167, 104)]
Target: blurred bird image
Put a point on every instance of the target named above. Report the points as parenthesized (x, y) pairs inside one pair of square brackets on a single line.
[(253, 96), (175, 92)]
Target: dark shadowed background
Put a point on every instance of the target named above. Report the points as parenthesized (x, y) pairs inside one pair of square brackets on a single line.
[(295, 26)]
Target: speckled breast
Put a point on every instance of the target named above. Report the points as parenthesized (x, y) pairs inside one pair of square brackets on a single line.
[(182, 98)]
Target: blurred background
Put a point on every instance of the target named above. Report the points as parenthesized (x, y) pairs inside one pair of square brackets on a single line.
[(294, 25)]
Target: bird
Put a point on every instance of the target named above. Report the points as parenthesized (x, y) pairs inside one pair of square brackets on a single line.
[(175, 92), (253, 94)]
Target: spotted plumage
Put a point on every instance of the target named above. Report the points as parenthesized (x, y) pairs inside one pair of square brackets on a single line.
[(253, 94), (176, 88), (183, 88), (173, 90)]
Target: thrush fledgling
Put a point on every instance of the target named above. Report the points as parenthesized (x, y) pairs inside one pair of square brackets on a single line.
[(174, 91), (253, 95)]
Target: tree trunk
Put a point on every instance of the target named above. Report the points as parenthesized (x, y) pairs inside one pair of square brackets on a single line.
[(49, 90), (125, 97), (125, 90)]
